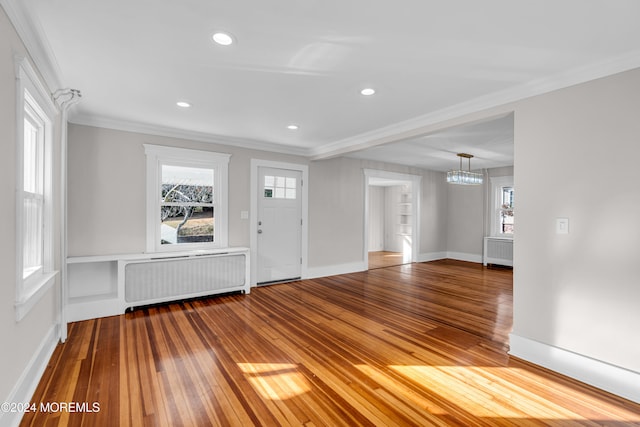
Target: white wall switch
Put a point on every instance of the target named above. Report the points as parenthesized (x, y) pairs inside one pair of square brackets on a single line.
[(562, 225), (244, 214)]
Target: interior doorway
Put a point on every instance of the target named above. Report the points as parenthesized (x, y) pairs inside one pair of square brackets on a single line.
[(391, 226)]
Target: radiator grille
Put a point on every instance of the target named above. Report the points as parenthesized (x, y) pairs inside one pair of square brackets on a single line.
[(498, 251), (164, 279)]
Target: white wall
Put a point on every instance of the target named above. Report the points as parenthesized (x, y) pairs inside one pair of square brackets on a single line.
[(465, 229), (25, 344), (468, 211), (107, 194), (107, 188), (577, 152), (376, 218)]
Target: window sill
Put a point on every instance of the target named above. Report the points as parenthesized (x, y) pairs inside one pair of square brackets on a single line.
[(33, 294)]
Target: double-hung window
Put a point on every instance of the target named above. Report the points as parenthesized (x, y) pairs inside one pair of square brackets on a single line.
[(34, 214), (186, 199), (502, 191)]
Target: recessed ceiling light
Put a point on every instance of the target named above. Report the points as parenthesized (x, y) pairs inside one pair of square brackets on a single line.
[(224, 39), (183, 104), (293, 127), (367, 91)]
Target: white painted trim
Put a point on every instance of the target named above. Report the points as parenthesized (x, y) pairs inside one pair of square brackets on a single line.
[(614, 379), (496, 184), (431, 256), (37, 291), (253, 212), (28, 382), (219, 162), (462, 256), (420, 125), (405, 129), (30, 91), (416, 196), (33, 36), (334, 270), (157, 130)]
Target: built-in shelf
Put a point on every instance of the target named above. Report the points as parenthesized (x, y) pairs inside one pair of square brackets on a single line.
[(95, 283)]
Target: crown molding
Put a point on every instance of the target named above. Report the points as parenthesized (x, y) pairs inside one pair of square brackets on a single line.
[(425, 123), (32, 35), (149, 129)]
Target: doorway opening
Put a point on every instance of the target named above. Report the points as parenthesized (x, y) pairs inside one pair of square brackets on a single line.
[(391, 226)]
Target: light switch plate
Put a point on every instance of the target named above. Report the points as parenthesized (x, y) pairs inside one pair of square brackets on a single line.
[(244, 214), (562, 225)]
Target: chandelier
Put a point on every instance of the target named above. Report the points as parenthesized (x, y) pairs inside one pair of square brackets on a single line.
[(464, 177)]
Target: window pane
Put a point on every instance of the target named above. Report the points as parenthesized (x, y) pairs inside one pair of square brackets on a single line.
[(506, 221), (33, 213), (507, 197), (33, 158), (185, 184), (187, 224), (279, 187)]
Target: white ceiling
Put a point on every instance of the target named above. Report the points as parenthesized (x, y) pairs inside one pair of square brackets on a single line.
[(305, 61), (490, 142)]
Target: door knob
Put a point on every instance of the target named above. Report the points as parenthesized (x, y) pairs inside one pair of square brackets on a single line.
[(259, 231)]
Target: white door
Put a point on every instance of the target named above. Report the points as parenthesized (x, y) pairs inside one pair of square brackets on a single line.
[(279, 225)]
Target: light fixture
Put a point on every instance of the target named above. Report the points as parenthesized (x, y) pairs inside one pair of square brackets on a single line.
[(183, 104), (464, 177), (367, 91), (293, 127), (224, 39)]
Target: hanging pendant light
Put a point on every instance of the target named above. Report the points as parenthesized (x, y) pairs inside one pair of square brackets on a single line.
[(464, 177)]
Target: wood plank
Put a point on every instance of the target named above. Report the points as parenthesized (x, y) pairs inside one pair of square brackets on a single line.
[(419, 344)]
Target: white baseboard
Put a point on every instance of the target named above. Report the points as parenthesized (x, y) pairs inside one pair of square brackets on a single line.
[(461, 256), (616, 380), (431, 256), (333, 270), (28, 381)]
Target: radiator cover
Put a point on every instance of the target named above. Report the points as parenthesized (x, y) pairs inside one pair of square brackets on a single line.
[(165, 279), (498, 250)]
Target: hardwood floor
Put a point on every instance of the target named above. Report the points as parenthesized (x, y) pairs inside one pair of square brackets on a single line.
[(419, 344), (379, 259)]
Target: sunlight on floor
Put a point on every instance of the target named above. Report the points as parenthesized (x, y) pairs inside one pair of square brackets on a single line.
[(275, 381), (483, 391)]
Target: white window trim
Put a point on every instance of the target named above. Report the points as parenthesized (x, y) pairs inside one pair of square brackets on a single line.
[(158, 155), (497, 182), (30, 290)]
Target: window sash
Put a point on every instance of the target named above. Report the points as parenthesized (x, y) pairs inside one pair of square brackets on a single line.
[(33, 234), (172, 165)]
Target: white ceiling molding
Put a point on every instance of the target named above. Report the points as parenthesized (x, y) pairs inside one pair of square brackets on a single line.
[(420, 125), (35, 41), (121, 125), (32, 33)]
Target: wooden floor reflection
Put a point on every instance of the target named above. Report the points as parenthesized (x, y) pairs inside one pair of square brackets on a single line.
[(418, 344)]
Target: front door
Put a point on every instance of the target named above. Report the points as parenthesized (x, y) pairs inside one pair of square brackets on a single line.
[(279, 225)]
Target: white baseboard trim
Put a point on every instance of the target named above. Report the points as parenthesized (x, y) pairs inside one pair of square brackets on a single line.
[(462, 256), (334, 270), (431, 256), (28, 381), (616, 380)]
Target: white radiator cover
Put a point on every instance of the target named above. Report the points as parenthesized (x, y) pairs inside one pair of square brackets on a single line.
[(498, 250), (165, 279)]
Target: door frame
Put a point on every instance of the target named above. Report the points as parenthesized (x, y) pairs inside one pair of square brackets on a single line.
[(253, 213), (416, 192)]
